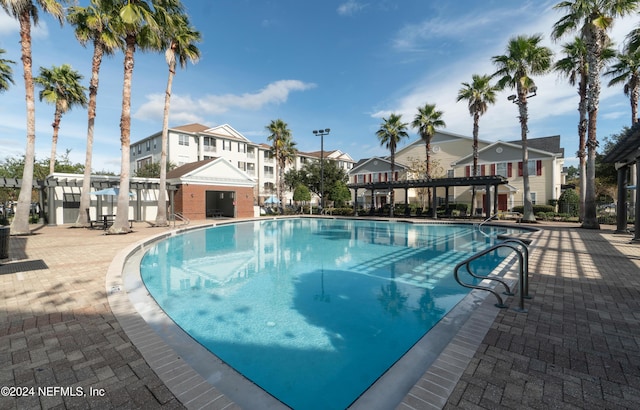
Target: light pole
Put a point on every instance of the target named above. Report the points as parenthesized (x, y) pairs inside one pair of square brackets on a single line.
[(322, 133)]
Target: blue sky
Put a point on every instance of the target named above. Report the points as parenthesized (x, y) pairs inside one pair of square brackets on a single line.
[(341, 64)]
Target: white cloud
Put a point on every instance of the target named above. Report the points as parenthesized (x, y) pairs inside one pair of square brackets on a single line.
[(555, 97), (350, 7), (10, 26), (189, 109)]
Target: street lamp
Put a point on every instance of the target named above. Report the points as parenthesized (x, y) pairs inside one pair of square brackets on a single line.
[(514, 98), (322, 133)]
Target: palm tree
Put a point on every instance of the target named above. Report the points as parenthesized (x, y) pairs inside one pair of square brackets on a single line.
[(25, 11), (283, 149), (61, 87), (626, 71), (524, 57), (478, 94), (92, 25), (181, 38), (574, 66), (137, 25), (6, 72), (427, 120), (391, 132), (592, 18)]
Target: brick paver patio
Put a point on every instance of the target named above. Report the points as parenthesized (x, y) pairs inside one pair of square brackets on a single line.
[(577, 347)]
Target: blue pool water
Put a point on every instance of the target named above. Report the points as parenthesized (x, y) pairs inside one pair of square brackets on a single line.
[(312, 310)]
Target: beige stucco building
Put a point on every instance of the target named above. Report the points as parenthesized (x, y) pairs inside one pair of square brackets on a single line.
[(451, 156)]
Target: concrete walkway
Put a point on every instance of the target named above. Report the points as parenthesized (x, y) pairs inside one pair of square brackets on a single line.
[(577, 347)]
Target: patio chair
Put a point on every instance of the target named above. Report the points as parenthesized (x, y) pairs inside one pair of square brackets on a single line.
[(92, 222)]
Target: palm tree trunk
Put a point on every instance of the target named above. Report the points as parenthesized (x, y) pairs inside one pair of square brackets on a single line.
[(633, 96), (528, 215), (120, 224), (595, 38), (427, 145), (85, 195), (582, 134), (54, 140), (393, 193), (161, 216), (20, 224), (476, 120)]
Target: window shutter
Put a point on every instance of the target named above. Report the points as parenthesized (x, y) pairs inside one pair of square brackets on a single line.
[(467, 171), (520, 168), (483, 170), (509, 169), (493, 169), (395, 176), (539, 167)]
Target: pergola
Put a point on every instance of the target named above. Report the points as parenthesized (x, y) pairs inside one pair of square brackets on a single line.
[(625, 154), (483, 181), (47, 187)]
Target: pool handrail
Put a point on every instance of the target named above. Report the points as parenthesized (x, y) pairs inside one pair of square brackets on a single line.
[(523, 257)]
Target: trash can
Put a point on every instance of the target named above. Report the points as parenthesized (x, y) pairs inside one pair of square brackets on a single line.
[(4, 242)]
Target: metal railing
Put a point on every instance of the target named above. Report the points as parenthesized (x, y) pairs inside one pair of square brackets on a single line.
[(178, 216), (523, 257)]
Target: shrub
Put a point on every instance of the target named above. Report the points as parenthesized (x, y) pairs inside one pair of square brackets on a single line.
[(569, 202), (536, 209)]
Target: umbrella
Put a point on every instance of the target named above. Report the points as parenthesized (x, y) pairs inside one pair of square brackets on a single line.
[(109, 192), (272, 200)]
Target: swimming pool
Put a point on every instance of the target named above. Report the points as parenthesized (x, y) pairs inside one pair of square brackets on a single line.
[(312, 310)]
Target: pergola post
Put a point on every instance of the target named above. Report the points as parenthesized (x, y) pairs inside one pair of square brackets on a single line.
[(355, 203), (487, 200), (636, 234), (407, 210)]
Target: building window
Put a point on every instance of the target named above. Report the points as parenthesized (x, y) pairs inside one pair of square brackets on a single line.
[(148, 145), (251, 169), (449, 173), (183, 140), (242, 147), (501, 169), (139, 149), (155, 144), (268, 172), (209, 144), (242, 165), (143, 162), (268, 156), (360, 178), (226, 145), (533, 198), (251, 153)]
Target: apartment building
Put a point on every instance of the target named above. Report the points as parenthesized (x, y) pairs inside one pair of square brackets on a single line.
[(452, 156), (196, 142)]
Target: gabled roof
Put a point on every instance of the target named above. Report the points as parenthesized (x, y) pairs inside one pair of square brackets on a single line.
[(192, 128), (334, 154), (440, 137), (225, 131), (212, 171), (186, 169), (503, 151), (548, 144), (376, 162)]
